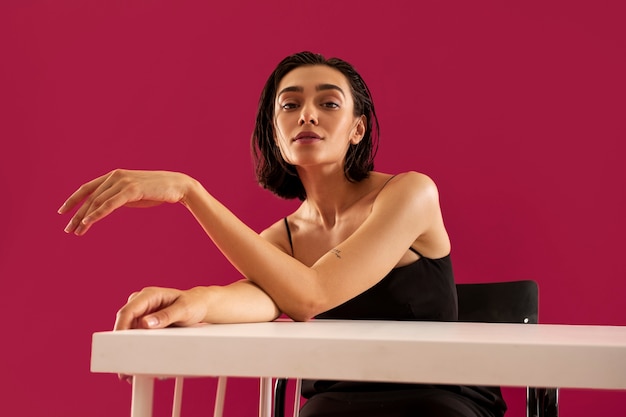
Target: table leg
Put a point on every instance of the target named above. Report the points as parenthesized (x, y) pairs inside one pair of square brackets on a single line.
[(296, 402), (220, 396), (143, 392), (265, 397), (178, 396)]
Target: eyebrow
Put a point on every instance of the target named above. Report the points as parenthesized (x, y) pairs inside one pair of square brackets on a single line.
[(321, 87)]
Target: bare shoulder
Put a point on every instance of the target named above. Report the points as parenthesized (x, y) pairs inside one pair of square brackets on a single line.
[(409, 186), (410, 201), (414, 177)]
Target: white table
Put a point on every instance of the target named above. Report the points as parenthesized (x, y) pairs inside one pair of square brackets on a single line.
[(566, 356)]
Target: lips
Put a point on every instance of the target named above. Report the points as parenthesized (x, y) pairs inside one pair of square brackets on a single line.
[(307, 136)]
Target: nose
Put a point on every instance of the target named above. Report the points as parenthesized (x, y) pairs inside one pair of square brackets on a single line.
[(308, 116)]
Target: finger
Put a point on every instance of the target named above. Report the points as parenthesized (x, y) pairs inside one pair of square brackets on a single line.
[(133, 296), (80, 194), (127, 317), (138, 304), (100, 204), (124, 377), (145, 302), (173, 314), (86, 194), (112, 194), (106, 203)]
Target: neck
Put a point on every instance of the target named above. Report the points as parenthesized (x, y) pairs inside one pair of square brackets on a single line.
[(329, 195)]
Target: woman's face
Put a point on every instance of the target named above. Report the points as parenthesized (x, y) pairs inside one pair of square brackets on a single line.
[(314, 117)]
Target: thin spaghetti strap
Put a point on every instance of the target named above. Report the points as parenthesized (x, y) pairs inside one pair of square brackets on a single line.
[(415, 252), (387, 182), (289, 235)]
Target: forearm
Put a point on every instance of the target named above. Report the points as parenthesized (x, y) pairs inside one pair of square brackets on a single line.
[(239, 302)]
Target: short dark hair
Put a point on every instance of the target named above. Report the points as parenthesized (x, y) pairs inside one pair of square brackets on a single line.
[(280, 177)]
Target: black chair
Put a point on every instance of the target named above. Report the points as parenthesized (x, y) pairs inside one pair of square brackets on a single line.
[(508, 302), (497, 302)]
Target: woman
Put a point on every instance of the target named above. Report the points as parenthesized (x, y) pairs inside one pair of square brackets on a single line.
[(362, 244)]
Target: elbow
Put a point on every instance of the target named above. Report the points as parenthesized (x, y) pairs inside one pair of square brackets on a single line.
[(304, 311), (306, 302), (301, 317)]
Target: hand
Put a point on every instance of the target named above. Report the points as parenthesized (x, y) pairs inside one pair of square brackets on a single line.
[(118, 188), (155, 308)]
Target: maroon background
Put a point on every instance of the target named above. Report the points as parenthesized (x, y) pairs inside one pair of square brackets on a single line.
[(516, 110)]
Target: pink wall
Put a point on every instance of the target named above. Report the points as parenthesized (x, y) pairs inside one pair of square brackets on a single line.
[(516, 110)]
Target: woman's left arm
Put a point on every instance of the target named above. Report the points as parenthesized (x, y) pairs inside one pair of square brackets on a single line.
[(156, 308)]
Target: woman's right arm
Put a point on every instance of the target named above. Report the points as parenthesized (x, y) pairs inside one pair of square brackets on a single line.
[(249, 252), (405, 210)]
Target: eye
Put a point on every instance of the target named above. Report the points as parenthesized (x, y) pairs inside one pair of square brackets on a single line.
[(288, 106), (330, 105)]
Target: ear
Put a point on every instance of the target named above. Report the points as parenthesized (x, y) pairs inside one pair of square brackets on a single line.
[(359, 130)]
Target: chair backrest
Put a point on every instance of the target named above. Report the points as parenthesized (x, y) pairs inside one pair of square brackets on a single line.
[(492, 302), (499, 302)]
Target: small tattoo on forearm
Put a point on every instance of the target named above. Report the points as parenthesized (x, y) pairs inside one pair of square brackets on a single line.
[(337, 253)]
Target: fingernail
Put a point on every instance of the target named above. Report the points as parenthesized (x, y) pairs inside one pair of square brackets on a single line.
[(86, 220), (60, 210), (68, 228), (152, 321)]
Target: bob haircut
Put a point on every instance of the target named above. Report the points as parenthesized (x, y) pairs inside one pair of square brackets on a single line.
[(280, 177)]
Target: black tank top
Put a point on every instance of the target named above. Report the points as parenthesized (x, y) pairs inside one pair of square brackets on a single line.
[(422, 290)]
